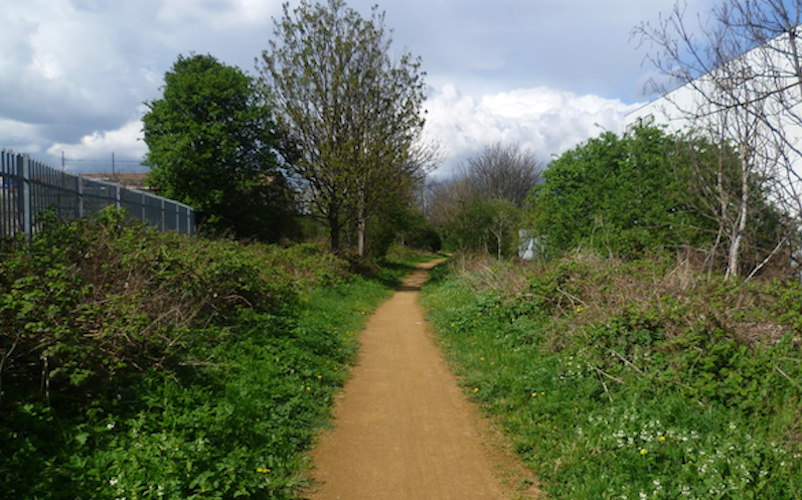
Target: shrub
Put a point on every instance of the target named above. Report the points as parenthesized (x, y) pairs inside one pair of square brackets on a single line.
[(141, 364), (632, 379)]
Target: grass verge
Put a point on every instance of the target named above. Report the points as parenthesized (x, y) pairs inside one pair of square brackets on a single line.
[(631, 380), (146, 365)]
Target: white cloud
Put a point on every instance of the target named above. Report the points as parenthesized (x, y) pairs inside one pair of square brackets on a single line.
[(584, 46), (71, 66), (218, 15), (21, 137), (74, 73), (544, 120), (125, 142)]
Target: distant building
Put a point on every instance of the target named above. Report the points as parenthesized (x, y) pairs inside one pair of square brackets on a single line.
[(763, 82), (766, 70), (128, 180)]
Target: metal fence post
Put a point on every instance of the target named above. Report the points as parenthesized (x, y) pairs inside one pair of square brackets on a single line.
[(26, 210), (27, 186), (80, 197)]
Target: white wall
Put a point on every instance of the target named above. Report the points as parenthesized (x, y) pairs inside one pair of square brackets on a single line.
[(686, 108)]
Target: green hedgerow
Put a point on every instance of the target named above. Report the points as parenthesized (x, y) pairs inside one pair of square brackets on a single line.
[(141, 364), (631, 380)]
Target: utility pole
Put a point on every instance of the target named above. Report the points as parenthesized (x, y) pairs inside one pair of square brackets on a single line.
[(62, 161), (113, 172)]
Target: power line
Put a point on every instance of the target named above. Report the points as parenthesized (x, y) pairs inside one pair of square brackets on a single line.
[(104, 160)]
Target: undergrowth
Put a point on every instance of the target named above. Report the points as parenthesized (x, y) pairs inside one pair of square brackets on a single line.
[(632, 380), (138, 364)]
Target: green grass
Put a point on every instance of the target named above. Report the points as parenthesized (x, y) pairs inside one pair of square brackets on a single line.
[(644, 400), (217, 400)]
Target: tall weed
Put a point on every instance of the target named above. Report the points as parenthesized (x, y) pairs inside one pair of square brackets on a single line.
[(632, 380), (139, 364)]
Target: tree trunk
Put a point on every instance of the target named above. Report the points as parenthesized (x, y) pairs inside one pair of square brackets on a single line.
[(722, 209), (361, 227), (334, 238), (713, 256), (334, 229), (733, 260)]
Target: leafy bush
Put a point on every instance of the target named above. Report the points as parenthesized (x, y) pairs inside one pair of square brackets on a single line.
[(646, 191), (632, 379), (141, 364), (87, 300)]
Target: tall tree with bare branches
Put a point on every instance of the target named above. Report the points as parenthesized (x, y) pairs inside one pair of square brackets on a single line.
[(741, 71), (353, 111), (505, 171), (479, 207)]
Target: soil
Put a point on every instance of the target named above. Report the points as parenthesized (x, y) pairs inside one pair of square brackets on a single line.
[(402, 427)]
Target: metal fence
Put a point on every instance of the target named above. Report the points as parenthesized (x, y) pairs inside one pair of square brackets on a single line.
[(29, 187)]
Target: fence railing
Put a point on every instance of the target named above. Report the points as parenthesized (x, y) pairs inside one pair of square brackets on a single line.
[(29, 187)]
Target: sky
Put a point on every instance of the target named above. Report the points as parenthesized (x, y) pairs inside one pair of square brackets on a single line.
[(547, 74)]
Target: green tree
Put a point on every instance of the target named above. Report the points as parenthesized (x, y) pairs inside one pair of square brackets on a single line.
[(503, 171), (622, 195), (487, 225), (740, 64), (353, 112), (648, 190), (212, 146), (478, 209)]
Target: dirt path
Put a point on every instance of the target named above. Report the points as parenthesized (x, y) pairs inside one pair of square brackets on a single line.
[(403, 430)]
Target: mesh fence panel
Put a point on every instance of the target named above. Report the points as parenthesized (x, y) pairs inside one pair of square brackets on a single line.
[(28, 188)]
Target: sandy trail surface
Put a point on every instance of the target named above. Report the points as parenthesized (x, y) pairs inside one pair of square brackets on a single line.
[(402, 427)]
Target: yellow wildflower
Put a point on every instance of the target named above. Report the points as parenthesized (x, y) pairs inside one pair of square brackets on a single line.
[(475, 390), (662, 439), (308, 388), (262, 470), (644, 451)]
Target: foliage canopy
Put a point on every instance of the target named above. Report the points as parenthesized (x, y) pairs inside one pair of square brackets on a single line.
[(647, 191), (479, 207), (212, 145), (622, 195), (353, 112)]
